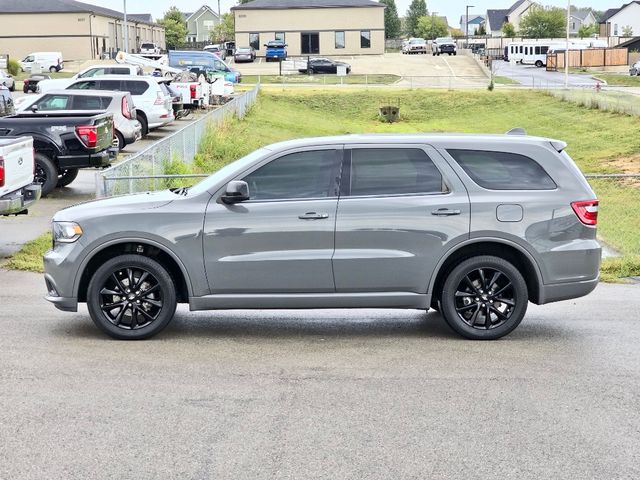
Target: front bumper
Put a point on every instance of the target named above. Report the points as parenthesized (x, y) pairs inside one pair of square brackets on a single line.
[(20, 200)]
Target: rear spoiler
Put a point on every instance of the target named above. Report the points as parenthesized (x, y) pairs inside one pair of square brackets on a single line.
[(558, 145)]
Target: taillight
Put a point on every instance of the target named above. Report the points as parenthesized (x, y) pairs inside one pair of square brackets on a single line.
[(192, 89), (125, 108), (1, 172), (587, 211), (88, 135), (159, 99)]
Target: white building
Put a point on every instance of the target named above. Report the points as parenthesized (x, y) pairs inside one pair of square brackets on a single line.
[(617, 20)]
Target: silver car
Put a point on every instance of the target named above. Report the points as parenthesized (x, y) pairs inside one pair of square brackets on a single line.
[(475, 226), (7, 80)]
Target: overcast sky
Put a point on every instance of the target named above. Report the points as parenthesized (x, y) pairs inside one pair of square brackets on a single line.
[(452, 8)]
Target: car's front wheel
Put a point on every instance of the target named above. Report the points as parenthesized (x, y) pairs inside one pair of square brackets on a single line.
[(484, 298), (131, 297)]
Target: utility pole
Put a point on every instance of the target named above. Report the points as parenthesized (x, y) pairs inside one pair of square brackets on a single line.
[(126, 29), (433, 26), (466, 26), (566, 53)]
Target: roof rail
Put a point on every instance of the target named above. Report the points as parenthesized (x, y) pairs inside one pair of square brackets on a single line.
[(517, 131)]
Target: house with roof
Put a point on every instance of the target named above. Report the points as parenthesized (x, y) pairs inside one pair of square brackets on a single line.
[(579, 18), (472, 24), (615, 20), (79, 30), (200, 23), (495, 19), (312, 27)]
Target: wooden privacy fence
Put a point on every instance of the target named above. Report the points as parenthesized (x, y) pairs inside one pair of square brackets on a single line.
[(592, 57)]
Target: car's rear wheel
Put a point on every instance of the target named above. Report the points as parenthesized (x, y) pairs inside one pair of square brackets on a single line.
[(53, 69), (484, 298), (539, 63), (118, 140), (131, 297), (144, 124), (46, 174), (67, 176)]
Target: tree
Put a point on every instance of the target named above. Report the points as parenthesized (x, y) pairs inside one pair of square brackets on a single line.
[(225, 30), (544, 23), (391, 20), (431, 26), (481, 30), (508, 30), (456, 33), (587, 30), (417, 9), (175, 27), (627, 31)]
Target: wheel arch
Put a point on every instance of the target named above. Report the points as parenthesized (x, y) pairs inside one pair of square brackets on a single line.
[(150, 249), (501, 248)]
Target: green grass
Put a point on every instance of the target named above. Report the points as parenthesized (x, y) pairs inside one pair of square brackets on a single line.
[(23, 75), (498, 80), (619, 80), (30, 257), (374, 79)]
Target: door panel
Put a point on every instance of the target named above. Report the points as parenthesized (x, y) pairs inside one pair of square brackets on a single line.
[(393, 241)]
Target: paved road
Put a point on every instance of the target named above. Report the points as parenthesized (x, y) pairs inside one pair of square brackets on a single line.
[(334, 394), (532, 76)]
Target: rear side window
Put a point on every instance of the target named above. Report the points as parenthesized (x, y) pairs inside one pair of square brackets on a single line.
[(136, 88), (85, 102), (86, 85), (117, 71), (503, 170), (110, 85), (393, 171)]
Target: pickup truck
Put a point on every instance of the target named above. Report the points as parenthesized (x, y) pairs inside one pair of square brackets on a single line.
[(63, 143), (17, 190), (444, 45), (276, 50)]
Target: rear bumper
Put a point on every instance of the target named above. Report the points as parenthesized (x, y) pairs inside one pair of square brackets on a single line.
[(564, 291), (97, 160), (20, 200)]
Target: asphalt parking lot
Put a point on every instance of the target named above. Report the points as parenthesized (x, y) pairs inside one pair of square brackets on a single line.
[(334, 394)]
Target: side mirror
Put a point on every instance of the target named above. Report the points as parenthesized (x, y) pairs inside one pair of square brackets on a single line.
[(237, 191), (34, 108)]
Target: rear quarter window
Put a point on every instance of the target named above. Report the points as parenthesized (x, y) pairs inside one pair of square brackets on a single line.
[(135, 87), (503, 170)]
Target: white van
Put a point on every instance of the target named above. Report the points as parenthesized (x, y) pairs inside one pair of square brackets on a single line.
[(51, 61), (529, 53)]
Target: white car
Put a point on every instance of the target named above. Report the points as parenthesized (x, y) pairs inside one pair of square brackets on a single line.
[(149, 49), (153, 107), (7, 80), (45, 86)]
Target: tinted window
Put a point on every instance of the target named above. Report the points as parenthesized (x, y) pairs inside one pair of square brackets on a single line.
[(117, 71), (365, 39), (86, 85), (503, 170), (392, 171), (135, 87), (297, 175), (339, 39), (53, 102), (254, 40), (110, 85), (85, 102), (92, 73)]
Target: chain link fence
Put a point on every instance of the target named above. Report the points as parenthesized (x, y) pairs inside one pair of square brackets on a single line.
[(151, 168)]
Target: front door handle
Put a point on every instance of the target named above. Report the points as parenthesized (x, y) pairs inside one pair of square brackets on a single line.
[(445, 212), (313, 216)]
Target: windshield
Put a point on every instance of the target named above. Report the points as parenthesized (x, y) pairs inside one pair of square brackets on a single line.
[(239, 165), (147, 45)]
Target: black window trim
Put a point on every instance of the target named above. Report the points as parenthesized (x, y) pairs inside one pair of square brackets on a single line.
[(555, 188), (345, 177)]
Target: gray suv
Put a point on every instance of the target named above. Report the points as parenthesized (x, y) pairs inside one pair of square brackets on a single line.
[(475, 226)]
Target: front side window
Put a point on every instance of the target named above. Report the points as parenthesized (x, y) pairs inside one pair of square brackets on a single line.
[(365, 39), (503, 170), (86, 85), (339, 39), (92, 73), (53, 102), (393, 171), (254, 41), (296, 175)]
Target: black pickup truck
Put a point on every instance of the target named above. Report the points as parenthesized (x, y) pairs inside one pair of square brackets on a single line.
[(63, 143)]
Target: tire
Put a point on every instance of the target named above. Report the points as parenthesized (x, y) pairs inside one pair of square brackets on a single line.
[(25, 89), (53, 69), (473, 288), (65, 177), (455, 53), (143, 123), (539, 63), (132, 316), (13, 87), (46, 173), (311, 71), (434, 54), (118, 141)]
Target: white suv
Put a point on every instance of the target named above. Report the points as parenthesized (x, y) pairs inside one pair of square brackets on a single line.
[(45, 86), (153, 107)]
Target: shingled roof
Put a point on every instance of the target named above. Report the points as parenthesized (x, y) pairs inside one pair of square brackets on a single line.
[(285, 4), (497, 18)]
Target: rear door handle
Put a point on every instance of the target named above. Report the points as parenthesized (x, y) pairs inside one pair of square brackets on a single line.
[(445, 212), (313, 216)]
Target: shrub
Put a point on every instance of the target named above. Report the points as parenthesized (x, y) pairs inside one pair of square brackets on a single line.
[(13, 67)]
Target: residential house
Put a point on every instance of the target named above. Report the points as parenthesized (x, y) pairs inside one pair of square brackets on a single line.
[(312, 27), (200, 23), (496, 18), (615, 20), (79, 30), (579, 18), (472, 24)]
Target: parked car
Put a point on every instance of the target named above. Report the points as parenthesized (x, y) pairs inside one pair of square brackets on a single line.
[(244, 54), (153, 107), (275, 50), (473, 225), (230, 48), (51, 61), (7, 106), (203, 61), (89, 72), (218, 50), (635, 69), (444, 45), (7, 80), (148, 48), (63, 143), (415, 45), (324, 65), (31, 83), (17, 190), (127, 128)]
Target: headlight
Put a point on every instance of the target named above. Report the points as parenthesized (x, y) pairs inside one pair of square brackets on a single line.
[(66, 232)]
